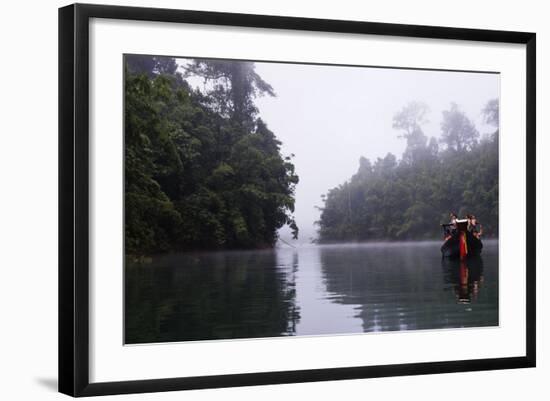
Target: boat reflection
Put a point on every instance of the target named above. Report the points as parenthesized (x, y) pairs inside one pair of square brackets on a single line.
[(465, 276)]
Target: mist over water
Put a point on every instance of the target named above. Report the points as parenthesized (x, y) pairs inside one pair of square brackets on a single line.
[(371, 154), (309, 290)]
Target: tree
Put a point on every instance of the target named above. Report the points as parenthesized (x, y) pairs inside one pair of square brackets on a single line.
[(407, 199), (151, 216), (491, 112), (410, 120), (365, 169), (457, 131), (234, 86), (150, 65), (411, 117), (195, 178)]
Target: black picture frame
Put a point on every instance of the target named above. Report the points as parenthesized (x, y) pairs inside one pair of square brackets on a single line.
[(74, 200)]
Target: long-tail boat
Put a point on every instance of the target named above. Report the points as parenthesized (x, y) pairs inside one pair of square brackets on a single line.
[(459, 242)]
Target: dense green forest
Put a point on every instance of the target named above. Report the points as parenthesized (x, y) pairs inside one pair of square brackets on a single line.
[(202, 170), (404, 199)]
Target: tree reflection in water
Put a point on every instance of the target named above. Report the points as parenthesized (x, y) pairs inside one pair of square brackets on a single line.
[(205, 296), (403, 287), (313, 290)]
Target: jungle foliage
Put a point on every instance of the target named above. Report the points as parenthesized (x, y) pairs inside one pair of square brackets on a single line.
[(202, 170), (406, 199)]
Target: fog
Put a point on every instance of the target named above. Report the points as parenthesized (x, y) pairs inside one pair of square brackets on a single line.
[(330, 116)]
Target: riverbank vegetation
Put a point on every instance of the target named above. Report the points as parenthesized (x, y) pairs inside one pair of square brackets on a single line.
[(406, 199), (202, 170)]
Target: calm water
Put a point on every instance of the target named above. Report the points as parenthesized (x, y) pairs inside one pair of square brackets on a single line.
[(329, 289)]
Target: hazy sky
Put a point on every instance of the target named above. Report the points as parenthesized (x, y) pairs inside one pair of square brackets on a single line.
[(329, 116)]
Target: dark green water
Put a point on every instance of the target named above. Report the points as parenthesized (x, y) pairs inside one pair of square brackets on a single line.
[(329, 289)]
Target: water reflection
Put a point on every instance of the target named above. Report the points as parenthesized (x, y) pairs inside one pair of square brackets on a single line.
[(466, 276), (210, 296), (328, 289), (401, 287), (319, 313)]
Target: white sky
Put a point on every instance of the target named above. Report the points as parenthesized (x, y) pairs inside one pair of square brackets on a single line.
[(329, 116)]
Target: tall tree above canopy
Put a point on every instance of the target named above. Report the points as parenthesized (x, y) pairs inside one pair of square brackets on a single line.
[(234, 85), (491, 113), (410, 120), (457, 131)]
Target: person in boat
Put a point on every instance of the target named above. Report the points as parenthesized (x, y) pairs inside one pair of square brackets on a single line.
[(451, 227), (474, 226), (453, 217)]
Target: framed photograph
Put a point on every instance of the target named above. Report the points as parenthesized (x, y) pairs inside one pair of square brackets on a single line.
[(250, 199)]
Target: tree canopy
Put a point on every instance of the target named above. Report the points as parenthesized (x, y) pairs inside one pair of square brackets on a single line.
[(401, 200), (202, 171)]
